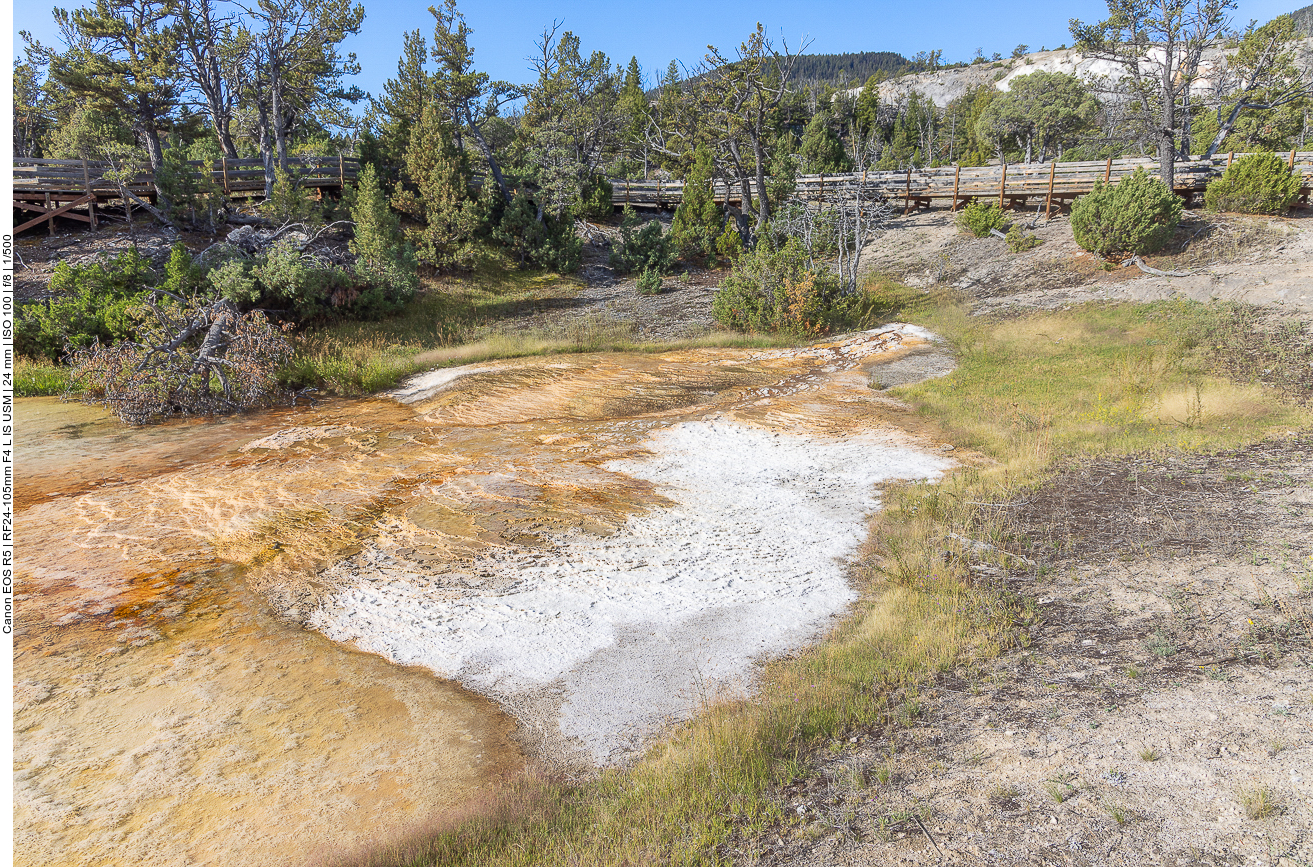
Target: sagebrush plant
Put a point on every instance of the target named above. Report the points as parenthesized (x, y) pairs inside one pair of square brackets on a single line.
[(1136, 215), (1259, 183), (642, 246), (980, 217)]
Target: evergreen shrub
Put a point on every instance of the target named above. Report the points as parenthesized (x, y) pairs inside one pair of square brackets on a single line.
[(649, 282), (641, 249), (1019, 241), (1255, 184), (92, 303), (773, 290), (545, 243), (699, 222), (979, 217), (1136, 215), (595, 198), (289, 203)]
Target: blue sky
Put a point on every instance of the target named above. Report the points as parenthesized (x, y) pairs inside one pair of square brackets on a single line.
[(656, 32)]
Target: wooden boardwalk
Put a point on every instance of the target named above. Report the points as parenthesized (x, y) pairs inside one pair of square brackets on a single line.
[(73, 188), (1051, 185)]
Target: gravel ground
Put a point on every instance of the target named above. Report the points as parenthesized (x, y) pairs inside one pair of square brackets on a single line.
[(1167, 690)]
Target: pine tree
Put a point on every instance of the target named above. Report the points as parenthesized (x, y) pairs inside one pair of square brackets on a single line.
[(123, 60), (394, 114), (633, 103), (441, 200), (698, 220), (821, 150), (383, 258)]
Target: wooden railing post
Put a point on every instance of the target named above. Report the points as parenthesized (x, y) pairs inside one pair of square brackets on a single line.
[(1107, 173), (907, 193), (957, 173), (1292, 159), (1002, 186), (1048, 202), (223, 162), (50, 223), (91, 199), (658, 194), (1230, 156), (341, 171), (822, 188)]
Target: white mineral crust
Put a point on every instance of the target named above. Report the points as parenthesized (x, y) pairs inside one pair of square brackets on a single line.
[(676, 608)]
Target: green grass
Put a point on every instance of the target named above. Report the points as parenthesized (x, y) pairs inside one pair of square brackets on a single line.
[(1029, 391), (467, 320), (38, 377)]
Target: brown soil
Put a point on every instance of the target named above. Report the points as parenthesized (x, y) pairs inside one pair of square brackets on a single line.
[(1161, 713)]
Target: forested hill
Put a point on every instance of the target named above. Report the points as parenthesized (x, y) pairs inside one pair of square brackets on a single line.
[(844, 68), (1304, 19)]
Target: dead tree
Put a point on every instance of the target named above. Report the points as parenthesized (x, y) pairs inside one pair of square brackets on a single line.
[(845, 220), (191, 358)]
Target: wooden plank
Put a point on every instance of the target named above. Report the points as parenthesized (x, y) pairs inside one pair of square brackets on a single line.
[(50, 215), (1048, 203)]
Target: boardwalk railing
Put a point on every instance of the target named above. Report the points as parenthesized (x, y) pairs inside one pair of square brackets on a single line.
[(1014, 185), (61, 188), (53, 188), (231, 176)]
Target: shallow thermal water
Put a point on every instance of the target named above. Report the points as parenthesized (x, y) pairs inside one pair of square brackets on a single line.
[(597, 542), (161, 715)]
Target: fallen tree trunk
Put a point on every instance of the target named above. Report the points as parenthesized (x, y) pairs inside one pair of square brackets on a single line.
[(191, 358)]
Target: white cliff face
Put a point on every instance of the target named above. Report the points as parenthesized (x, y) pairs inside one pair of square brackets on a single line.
[(946, 85)]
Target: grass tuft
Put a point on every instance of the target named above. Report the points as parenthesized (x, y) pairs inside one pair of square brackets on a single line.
[(1261, 802), (38, 378)]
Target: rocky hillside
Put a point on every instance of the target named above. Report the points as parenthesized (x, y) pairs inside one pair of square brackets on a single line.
[(946, 85), (1304, 19)]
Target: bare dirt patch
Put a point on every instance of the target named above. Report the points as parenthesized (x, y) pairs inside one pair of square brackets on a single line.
[(1260, 260), (609, 300), (1160, 715), (606, 300)]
